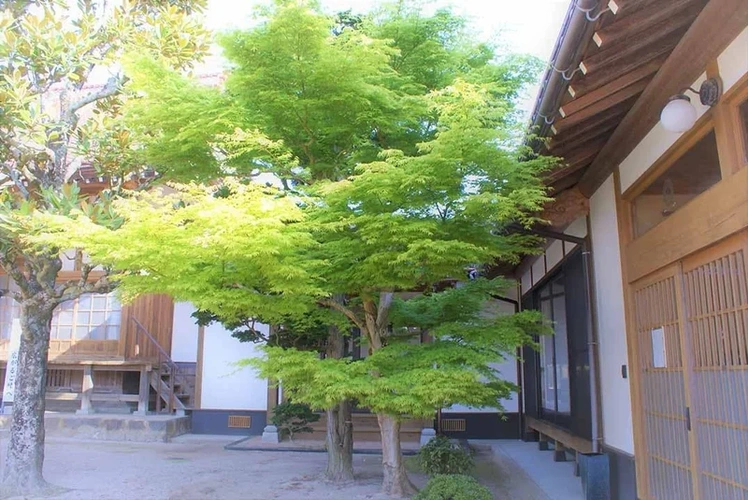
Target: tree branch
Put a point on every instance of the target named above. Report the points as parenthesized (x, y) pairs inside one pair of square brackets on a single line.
[(383, 311), (10, 268), (73, 289), (332, 304), (110, 88)]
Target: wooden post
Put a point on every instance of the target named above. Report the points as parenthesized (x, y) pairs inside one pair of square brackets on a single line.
[(144, 390), (88, 385), (542, 443), (559, 453)]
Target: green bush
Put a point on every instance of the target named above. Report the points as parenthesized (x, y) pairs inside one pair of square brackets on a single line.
[(293, 418), (453, 487), (440, 456)]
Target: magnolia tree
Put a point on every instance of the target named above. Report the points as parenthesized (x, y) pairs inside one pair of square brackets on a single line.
[(59, 66)]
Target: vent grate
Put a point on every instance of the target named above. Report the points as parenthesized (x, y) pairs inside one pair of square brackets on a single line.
[(240, 421), (453, 425)]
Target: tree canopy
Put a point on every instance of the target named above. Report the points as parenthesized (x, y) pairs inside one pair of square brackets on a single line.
[(392, 137)]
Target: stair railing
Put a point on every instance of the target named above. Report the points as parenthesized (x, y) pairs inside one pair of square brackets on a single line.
[(142, 334)]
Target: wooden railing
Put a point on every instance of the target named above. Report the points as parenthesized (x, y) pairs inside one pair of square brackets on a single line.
[(164, 366)]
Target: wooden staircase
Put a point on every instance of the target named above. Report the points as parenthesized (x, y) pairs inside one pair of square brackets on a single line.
[(174, 388), (366, 428)]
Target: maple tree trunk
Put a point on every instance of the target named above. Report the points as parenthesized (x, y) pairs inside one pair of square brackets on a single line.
[(396, 482), (339, 436), (339, 442), (25, 454)]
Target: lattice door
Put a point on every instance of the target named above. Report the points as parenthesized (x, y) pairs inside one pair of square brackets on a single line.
[(692, 345), (662, 379), (716, 299)]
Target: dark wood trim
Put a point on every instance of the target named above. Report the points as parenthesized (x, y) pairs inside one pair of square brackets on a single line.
[(719, 23)]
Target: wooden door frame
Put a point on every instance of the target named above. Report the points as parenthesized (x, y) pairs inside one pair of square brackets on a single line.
[(733, 155)]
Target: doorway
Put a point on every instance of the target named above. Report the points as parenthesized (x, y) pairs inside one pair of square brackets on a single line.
[(691, 335)]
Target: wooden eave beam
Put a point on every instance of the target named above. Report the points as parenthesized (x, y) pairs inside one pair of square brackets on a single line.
[(569, 169), (557, 146), (569, 147), (566, 207), (611, 115), (656, 36), (584, 84), (625, 7), (651, 16), (600, 106), (621, 83), (718, 24), (566, 182)]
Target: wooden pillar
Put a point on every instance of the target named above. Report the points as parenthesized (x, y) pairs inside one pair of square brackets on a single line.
[(559, 453), (542, 443), (199, 368), (144, 390), (272, 399), (88, 385)]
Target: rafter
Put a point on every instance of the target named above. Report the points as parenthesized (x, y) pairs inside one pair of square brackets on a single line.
[(649, 17), (712, 31), (600, 106), (625, 7), (655, 36), (584, 84)]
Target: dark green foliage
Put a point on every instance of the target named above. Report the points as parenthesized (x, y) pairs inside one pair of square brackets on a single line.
[(293, 418), (307, 333), (454, 487), (441, 456)]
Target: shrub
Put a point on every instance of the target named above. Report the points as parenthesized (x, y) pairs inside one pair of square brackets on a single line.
[(293, 418), (453, 487), (440, 456)]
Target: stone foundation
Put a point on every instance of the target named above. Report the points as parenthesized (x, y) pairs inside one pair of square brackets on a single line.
[(156, 428)]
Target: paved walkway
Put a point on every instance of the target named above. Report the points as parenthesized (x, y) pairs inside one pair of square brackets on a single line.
[(554, 480)]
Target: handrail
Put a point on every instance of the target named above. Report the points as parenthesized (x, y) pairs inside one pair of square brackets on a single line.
[(163, 357)]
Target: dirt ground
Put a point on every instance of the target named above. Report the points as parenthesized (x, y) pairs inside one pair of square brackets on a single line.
[(198, 468)]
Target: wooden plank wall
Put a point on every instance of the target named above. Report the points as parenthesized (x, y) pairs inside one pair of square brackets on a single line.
[(156, 314)]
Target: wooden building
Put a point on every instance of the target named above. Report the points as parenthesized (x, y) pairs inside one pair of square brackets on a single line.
[(644, 272)]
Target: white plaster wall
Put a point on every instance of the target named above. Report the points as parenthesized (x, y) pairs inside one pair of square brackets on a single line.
[(68, 260), (526, 282), (654, 145), (507, 370), (224, 385), (611, 326), (733, 62), (554, 253), (184, 333), (538, 269)]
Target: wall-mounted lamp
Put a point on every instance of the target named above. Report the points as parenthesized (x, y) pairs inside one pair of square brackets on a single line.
[(679, 115)]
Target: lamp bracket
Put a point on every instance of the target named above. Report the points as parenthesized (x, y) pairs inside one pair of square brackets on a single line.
[(709, 92)]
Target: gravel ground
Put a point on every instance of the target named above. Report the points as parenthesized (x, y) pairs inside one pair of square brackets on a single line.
[(198, 468)]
